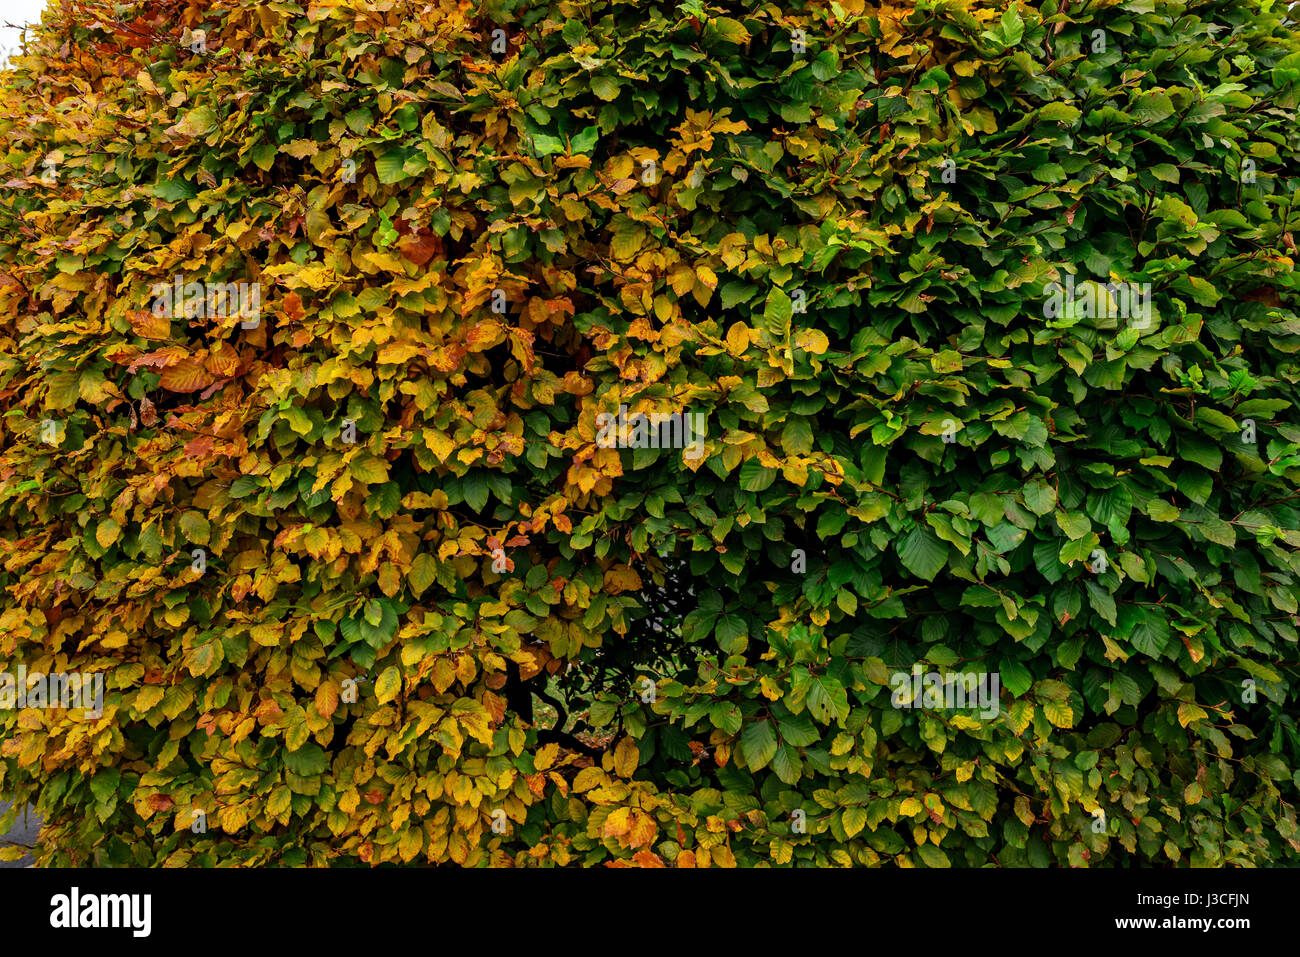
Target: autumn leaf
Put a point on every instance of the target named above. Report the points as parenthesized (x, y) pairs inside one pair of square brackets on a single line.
[(187, 375)]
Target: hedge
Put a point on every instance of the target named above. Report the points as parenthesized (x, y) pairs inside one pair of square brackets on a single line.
[(971, 331)]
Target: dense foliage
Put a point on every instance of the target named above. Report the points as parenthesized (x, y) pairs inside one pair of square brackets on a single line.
[(833, 230)]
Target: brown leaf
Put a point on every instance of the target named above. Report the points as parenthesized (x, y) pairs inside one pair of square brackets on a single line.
[(147, 414), (420, 248)]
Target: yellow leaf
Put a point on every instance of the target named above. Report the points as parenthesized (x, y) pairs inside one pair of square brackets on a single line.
[(389, 683), (738, 338), (148, 324), (439, 444), (617, 823), (621, 578), (484, 336), (682, 280), (411, 841), (369, 469), (546, 756), (107, 532), (390, 583), (854, 819), (301, 149), (1189, 712), (1060, 714), (626, 758), (279, 801), (386, 261), (812, 340)]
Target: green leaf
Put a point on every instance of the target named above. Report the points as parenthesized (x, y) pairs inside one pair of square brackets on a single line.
[(475, 487), (605, 87), (1013, 28), (933, 856), (307, 761), (585, 141), (390, 167), (1102, 601), (827, 699), (545, 145), (1040, 498), (1074, 524), (359, 120), (922, 553), (797, 437), (1147, 629), (756, 477), (104, 783), (759, 743), (777, 312), (1058, 112), (423, 573), (787, 765), (1015, 677), (730, 631), (174, 190), (195, 528), (733, 31)]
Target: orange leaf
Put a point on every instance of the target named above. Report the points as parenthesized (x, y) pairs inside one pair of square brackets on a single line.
[(188, 375), (223, 361), (293, 310), (643, 831), (327, 699), (148, 325)]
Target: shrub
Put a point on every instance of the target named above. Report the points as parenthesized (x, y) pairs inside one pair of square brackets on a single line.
[(986, 312)]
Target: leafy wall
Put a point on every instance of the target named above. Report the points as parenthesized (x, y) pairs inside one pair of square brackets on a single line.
[(324, 552)]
